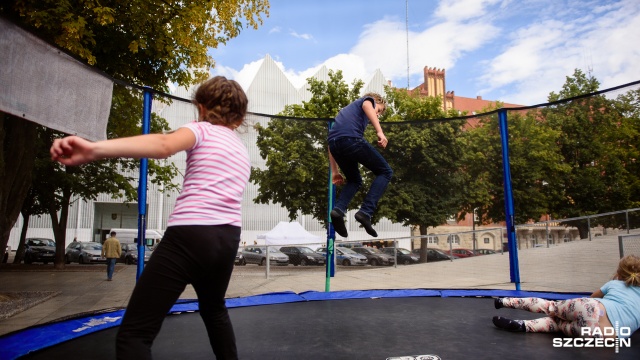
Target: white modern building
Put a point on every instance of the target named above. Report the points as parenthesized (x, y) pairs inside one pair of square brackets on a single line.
[(268, 93)]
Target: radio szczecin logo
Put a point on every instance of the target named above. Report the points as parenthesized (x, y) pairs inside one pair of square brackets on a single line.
[(596, 338)]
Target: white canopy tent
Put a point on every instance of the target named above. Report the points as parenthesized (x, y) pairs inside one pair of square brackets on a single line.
[(290, 233)]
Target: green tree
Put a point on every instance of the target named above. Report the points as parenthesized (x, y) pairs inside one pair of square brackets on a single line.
[(425, 158), (596, 141), (296, 175), (628, 106), (536, 167), (148, 43)]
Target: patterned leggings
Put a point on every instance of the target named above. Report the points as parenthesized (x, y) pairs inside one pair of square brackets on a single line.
[(568, 316)]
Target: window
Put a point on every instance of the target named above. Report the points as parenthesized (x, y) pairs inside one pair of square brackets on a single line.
[(487, 240), (455, 239), (432, 239)]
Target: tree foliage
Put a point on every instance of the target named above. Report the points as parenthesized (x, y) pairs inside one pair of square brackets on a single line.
[(149, 43), (146, 42), (535, 164), (600, 145), (296, 175), (425, 156)]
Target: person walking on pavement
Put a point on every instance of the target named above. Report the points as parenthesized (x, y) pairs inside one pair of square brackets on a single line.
[(348, 149), (112, 250)]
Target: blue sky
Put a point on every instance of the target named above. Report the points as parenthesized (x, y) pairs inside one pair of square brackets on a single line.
[(515, 51)]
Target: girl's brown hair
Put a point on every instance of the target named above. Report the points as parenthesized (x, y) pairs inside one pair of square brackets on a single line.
[(629, 270), (224, 102)]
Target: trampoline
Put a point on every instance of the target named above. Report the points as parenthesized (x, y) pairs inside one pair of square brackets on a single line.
[(373, 324)]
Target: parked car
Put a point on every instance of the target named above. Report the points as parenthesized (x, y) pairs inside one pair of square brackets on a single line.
[(404, 256), (485, 251), (39, 250), (345, 256), (240, 258), (302, 255), (434, 255), (461, 253), (129, 254), (84, 253), (375, 256), (258, 255)]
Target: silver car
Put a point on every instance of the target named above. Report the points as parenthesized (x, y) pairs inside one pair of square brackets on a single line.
[(345, 256), (84, 253), (258, 255)]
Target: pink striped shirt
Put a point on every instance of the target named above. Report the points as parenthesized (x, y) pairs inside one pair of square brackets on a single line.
[(218, 170)]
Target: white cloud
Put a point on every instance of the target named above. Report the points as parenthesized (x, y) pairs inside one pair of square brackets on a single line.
[(537, 59), (301, 36), (276, 29), (513, 51), (459, 10)]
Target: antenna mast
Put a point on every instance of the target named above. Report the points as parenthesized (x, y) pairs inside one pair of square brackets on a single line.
[(407, 29)]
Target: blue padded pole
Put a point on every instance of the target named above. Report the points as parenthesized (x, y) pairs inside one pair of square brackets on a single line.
[(142, 186), (508, 200), (331, 234)]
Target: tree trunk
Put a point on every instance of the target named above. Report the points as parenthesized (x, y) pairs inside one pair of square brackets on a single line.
[(423, 244), (23, 235), (59, 226), (17, 158)]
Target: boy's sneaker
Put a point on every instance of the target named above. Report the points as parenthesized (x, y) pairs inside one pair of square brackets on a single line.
[(337, 218), (497, 302), (509, 325), (365, 221)]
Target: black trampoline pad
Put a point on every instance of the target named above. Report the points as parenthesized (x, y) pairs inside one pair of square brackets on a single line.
[(452, 328)]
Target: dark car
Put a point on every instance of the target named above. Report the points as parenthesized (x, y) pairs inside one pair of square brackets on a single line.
[(302, 255), (404, 256), (39, 250), (374, 256), (434, 255), (129, 254)]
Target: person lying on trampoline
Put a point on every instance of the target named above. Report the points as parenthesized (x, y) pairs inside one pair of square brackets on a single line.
[(616, 302), (347, 150), (203, 231)]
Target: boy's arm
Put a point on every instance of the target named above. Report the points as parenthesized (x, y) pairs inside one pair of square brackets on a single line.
[(371, 114), (597, 294)]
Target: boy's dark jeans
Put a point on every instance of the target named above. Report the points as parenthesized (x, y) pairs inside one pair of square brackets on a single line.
[(349, 152)]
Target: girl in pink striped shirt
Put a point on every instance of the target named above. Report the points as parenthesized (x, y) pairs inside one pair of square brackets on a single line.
[(203, 232)]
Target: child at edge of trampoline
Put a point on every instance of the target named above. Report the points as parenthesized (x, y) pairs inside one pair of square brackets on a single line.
[(616, 302), (347, 150), (203, 231)]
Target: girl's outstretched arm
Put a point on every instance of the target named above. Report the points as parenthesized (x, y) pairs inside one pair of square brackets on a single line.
[(73, 150)]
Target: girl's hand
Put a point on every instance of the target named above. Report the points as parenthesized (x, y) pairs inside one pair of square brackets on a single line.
[(72, 150)]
